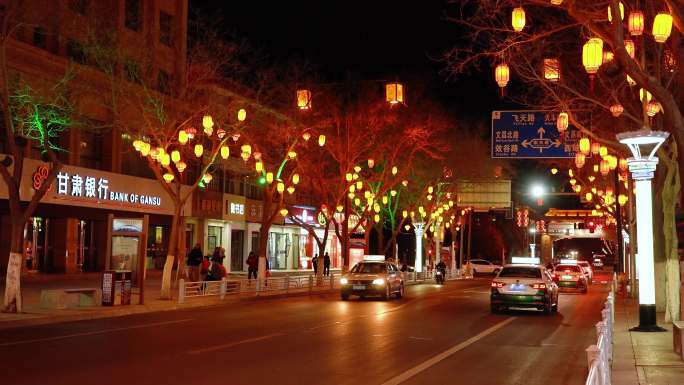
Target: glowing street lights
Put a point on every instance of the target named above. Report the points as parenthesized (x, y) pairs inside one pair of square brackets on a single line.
[(643, 144)]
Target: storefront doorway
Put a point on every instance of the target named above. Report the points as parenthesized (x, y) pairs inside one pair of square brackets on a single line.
[(214, 238), (236, 250)]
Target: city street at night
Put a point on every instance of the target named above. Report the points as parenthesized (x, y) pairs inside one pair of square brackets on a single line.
[(435, 335)]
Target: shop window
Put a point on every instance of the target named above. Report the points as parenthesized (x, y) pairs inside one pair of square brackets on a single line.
[(278, 250), (40, 37), (79, 6), (132, 15), (254, 242), (214, 238), (165, 28), (132, 71)]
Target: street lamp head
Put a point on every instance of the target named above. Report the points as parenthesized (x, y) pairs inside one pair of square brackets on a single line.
[(643, 142), (533, 230), (537, 190)]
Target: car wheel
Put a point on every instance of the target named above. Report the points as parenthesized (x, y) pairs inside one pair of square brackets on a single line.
[(344, 296), (554, 308), (400, 293), (547, 308), (495, 309)]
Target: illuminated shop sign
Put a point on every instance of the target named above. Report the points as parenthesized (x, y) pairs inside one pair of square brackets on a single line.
[(90, 187), (237, 208)]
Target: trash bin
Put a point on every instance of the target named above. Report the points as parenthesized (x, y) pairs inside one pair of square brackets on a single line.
[(116, 287)]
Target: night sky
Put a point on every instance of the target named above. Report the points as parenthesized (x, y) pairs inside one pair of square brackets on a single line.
[(377, 39)]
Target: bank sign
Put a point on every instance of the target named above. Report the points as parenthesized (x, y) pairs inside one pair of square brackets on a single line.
[(531, 134), (97, 188)]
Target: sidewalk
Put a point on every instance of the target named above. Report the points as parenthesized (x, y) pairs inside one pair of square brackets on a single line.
[(35, 315), (643, 358)]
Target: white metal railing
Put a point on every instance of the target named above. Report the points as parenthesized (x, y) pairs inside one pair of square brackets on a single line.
[(282, 285), (600, 355)]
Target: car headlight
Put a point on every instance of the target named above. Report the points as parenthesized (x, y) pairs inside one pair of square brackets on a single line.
[(378, 281), (344, 281)]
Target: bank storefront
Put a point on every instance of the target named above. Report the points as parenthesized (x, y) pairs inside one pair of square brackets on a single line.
[(69, 229)]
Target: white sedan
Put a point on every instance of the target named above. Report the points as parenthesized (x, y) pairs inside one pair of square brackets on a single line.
[(482, 266)]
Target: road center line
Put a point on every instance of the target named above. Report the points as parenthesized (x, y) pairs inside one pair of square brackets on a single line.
[(96, 332), (236, 343), (445, 354)]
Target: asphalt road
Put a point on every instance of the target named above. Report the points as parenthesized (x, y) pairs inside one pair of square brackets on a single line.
[(435, 335)]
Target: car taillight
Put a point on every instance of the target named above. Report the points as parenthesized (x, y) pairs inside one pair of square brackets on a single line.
[(539, 286), (554, 277), (497, 284)]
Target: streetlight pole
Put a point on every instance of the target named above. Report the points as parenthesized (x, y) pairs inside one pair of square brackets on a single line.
[(419, 228), (643, 169)]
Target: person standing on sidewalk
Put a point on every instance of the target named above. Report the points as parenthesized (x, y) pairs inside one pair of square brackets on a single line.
[(314, 263), (194, 261), (326, 264), (252, 265)]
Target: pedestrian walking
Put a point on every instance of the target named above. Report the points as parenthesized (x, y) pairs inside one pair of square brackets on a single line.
[(252, 265), (314, 263), (194, 261), (326, 264), (204, 270), (216, 269)]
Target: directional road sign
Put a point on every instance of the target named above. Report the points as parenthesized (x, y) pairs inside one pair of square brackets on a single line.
[(531, 134)]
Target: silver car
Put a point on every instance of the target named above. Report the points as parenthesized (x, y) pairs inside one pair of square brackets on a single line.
[(372, 278)]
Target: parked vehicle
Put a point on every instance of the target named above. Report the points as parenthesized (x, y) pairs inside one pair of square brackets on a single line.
[(482, 266)]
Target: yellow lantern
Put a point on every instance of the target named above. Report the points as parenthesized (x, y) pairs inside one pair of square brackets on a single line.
[(304, 99), (630, 47), (604, 167), (245, 156), (357, 168), (321, 140), (376, 218), (592, 55), (617, 110), (393, 193), (291, 190), (165, 160), (225, 152), (208, 125), (603, 151), (635, 23), (394, 93), (182, 137), (175, 156), (168, 177), (306, 136), (588, 196), (394, 170), (556, 2), (570, 173), (295, 179), (430, 189), (577, 188), (554, 171), (562, 122), (580, 160), (622, 12), (518, 19), (585, 145), (552, 69), (348, 177), (207, 178), (269, 177), (352, 188), (283, 212), (643, 93), (404, 183), (502, 75), (630, 81), (662, 27), (339, 208), (376, 207), (608, 56), (259, 166), (199, 150), (622, 199), (357, 201), (652, 108), (371, 163), (367, 194), (613, 162), (242, 115), (622, 164), (181, 166), (280, 187), (359, 185), (591, 178), (384, 199), (596, 168), (351, 195), (291, 154)]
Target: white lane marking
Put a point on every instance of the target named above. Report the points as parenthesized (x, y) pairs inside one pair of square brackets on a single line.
[(104, 331), (420, 338), (236, 343), (445, 354)]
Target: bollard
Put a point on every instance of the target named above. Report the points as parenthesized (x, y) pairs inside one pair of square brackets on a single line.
[(224, 288), (181, 290)]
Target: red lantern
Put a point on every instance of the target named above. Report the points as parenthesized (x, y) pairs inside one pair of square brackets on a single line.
[(616, 110), (580, 160), (595, 148), (604, 167), (636, 23), (562, 122)]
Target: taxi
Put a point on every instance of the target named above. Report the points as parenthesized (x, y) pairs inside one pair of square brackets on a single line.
[(571, 277), (372, 277), (527, 286)]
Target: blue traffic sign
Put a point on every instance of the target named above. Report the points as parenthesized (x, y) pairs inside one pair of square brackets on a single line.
[(531, 134)]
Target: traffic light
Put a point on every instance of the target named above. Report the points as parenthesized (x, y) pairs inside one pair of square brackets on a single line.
[(591, 225)]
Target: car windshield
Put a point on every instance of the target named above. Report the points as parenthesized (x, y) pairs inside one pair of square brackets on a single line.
[(520, 272), (369, 268), (574, 268)]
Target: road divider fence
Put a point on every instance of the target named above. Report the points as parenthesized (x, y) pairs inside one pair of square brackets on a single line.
[(600, 355), (288, 284)]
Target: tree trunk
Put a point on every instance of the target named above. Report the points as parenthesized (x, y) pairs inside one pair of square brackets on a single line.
[(670, 194), (263, 250), (12, 302), (170, 256)]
